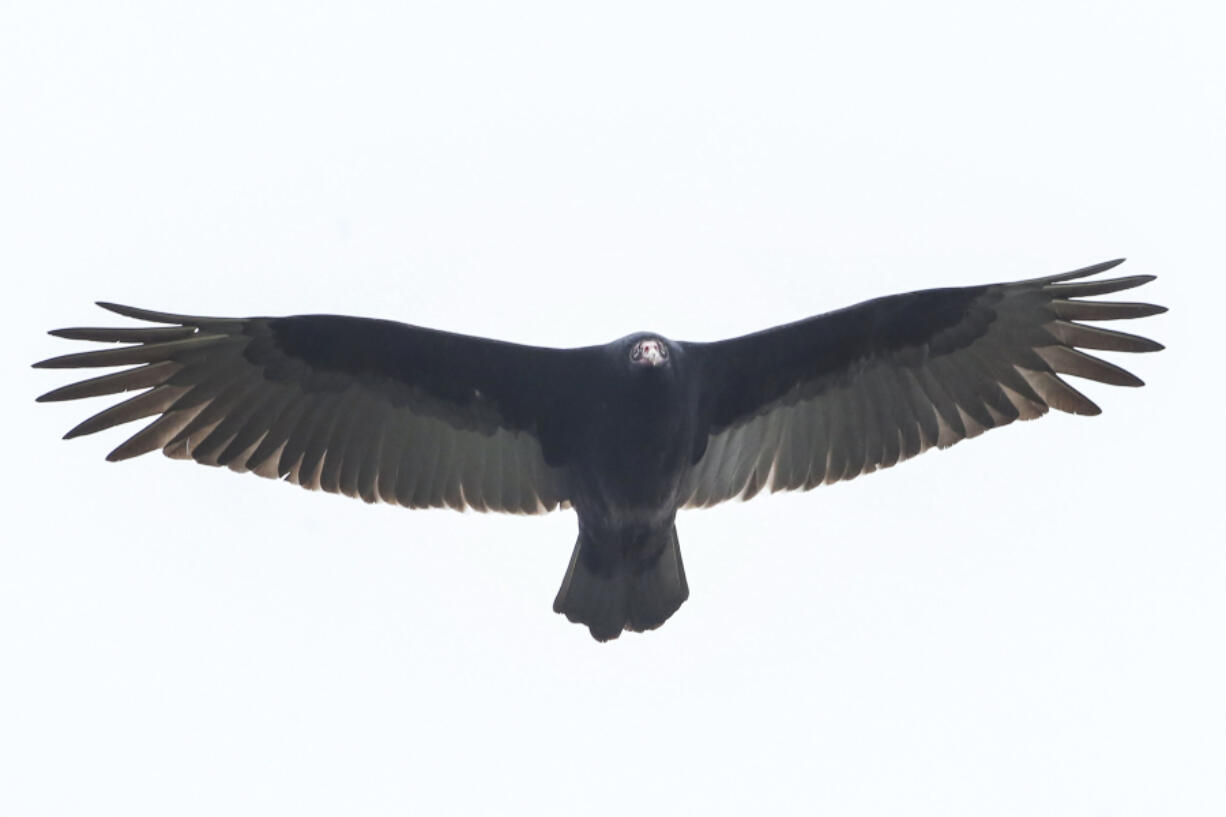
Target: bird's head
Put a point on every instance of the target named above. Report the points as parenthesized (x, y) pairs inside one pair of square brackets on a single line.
[(649, 352)]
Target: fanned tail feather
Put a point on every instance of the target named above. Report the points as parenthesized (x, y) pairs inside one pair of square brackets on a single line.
[(630, 596)]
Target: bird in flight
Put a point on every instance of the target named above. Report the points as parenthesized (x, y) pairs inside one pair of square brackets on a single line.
[(626, 433)]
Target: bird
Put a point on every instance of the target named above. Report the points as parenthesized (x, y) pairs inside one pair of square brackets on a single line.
[(626, 433)]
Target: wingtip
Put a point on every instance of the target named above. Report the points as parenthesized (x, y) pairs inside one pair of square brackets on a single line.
[(156, 317), (150, 315), (126, 311), (1101, 266), (1087, 409), (1083, 272), (57, 362)]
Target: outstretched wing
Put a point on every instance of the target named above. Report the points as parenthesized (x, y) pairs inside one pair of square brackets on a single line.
[(368, 408), (846, 393)]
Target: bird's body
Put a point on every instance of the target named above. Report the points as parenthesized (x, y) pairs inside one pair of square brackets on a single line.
[(626, 433), (635, 442), (635, 439)]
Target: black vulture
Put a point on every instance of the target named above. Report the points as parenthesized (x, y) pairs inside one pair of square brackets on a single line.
[(626, 433)]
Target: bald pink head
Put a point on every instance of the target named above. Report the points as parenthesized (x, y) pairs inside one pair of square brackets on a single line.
[(649, 352)]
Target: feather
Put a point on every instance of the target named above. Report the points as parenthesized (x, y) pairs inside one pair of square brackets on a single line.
[(142, 377)]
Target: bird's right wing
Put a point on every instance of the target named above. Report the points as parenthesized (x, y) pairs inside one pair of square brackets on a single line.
[(368, 408), (843, 394)]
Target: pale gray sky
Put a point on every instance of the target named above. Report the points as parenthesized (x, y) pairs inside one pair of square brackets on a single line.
[(1029, 623)]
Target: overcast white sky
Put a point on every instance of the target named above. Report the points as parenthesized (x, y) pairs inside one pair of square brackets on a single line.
[(1030, 623)]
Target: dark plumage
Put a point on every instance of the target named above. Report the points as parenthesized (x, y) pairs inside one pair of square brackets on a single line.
[(625, 433)]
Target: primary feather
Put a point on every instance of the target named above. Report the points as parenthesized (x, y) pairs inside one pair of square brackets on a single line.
[(401, 414)]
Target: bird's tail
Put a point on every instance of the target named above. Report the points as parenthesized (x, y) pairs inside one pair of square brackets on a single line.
[(629, 595)]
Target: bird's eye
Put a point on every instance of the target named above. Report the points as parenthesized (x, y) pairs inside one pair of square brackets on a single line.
[(636, 353), (663, 350)]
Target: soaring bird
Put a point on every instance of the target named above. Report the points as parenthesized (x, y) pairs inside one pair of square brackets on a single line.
[(626, 433)]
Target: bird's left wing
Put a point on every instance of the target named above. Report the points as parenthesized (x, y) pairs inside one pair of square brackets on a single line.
[(368, 408), (843, 394)]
